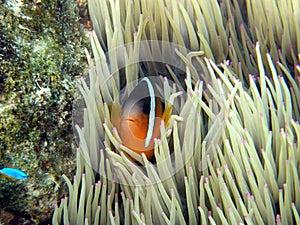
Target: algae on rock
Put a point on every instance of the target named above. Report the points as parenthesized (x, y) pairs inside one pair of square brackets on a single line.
[(41, 52)]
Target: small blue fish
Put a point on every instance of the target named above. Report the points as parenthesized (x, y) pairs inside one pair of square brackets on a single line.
[(13, 173)]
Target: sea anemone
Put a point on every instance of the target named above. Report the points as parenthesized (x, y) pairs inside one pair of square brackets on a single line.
[(229, 153)]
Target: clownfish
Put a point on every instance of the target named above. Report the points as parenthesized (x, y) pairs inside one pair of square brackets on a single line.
[(138, 121), (13, 173)]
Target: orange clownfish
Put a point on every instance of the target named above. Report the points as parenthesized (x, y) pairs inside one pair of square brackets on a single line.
[(138, 122)]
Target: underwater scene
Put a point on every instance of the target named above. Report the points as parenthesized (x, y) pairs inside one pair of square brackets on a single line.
[(149, 112)]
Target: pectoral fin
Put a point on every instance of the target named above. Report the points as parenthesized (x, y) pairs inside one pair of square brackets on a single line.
[(115, 114), (167, 114)]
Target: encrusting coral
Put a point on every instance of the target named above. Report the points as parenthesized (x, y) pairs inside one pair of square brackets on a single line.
[(230, 153)]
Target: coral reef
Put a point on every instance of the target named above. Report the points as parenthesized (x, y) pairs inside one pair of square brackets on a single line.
[(230, 153), (41, 51)]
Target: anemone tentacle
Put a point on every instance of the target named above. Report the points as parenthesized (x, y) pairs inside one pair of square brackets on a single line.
[(231, 153)]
